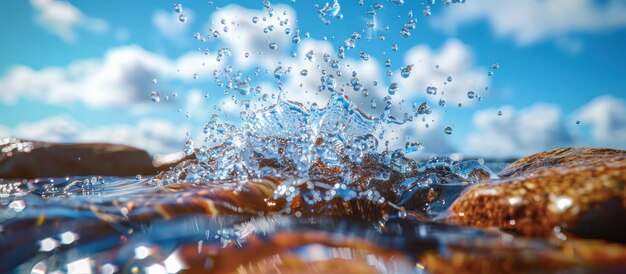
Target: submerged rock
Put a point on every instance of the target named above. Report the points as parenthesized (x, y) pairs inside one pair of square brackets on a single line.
[(561, 192), (31, 159)]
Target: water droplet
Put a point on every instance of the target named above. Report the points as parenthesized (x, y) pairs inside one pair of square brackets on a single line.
[(442, 102), (431, 90), (244, 88), (388, 63), (426, 11), (304, 72), (155, 97), (412, 147), (495, 66), (423, 108), (255, 19), (278, 72), (393, 88), (398, 2), (310, 56), (406, 71), (405, 33), (356, 84), (394, 47), (449, 79), (182, 17), (296, 37), (490, 73), (198, 36), (499, 112), (349, 43), (410, 25), (448, 130), (578, 122), (471, 94), (273, 46), (364, 56), (178, 8)]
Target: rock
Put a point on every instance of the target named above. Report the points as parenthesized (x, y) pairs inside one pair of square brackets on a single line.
[(289, 252), (31, 159), (561, 192), (574, 256)]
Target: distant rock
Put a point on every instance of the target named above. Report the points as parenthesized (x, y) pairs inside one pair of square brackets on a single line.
[(579, 191), (31, 159)]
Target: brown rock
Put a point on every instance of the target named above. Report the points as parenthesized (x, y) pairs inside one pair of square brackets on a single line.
[(578, 191), (278, 255), (575, 256), (32, 159)]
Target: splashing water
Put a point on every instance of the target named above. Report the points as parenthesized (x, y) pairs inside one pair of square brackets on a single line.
[(325, 154), (332, 152), (289, 158)]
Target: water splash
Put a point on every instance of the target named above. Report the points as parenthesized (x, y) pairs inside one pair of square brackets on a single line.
[(324, 154)]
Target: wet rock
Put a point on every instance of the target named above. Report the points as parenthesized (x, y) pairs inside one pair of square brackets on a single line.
[(31, 159), (575, 256), (561, 192), (287, 252)]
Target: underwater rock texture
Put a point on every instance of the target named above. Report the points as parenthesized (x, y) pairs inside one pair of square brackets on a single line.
[(561, 192)]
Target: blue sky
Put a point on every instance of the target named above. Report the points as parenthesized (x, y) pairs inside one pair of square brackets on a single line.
[(77, 71)]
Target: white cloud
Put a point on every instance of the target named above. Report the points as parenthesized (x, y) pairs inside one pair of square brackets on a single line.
[(606, 115), (531, 21), (170, 26), (517, 132), (429, 132), (455, 60), (243, 36), (156, 136), (305, 88), (122, 77), (63, 19), (233, 105)]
